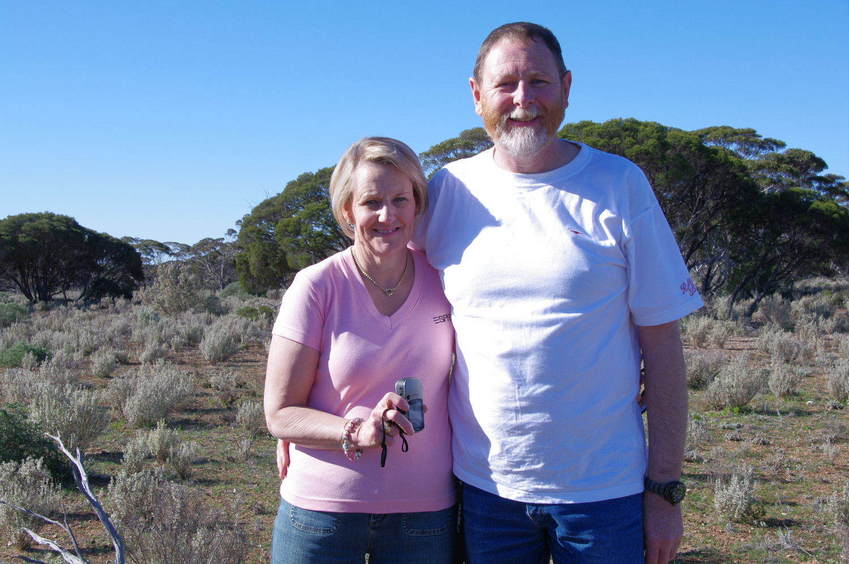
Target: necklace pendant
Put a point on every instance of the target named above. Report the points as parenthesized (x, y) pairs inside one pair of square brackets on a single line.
[(389, 291)]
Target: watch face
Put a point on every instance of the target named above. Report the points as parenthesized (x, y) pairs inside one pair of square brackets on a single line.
[(676, 492)]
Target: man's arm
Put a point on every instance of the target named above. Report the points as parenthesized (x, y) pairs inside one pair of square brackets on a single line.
[(666, 399)]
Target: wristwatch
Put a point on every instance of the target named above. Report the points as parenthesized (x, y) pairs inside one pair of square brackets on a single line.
[(673, 491)]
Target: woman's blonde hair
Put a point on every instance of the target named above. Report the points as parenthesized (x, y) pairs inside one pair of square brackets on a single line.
[(382, 150)]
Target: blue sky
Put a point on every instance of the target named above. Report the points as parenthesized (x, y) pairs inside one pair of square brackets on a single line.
[(171, 120)]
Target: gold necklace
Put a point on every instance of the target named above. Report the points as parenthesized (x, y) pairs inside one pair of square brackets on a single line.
[(388, 291)]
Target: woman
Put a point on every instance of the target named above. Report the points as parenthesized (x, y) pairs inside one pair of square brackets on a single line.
[(349, 327)]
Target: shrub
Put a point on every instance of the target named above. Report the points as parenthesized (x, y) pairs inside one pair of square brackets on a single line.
[(783, 379), (224, 383), (702, 368), (719, 332), (12, 357), (221, 341), (261, 312), (697, 330), (734, 499), (776, 311), (163, 522), (149, 393), (735, 386), (160, 440), (26, 484), (11, 312), (21, 438), (181, 458), (838, 380), (177, 288), (104, 363), (151, 353), (251, 418), (781, 344), (73, 413)]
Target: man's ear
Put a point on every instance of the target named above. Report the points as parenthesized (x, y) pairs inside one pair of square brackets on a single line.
[(476, 95), (566, 83)]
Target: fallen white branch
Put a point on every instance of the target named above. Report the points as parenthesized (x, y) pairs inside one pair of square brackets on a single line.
[(81, 479), (66, 556)]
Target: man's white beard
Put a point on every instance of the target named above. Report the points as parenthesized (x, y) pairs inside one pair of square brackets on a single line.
[(521, 141)]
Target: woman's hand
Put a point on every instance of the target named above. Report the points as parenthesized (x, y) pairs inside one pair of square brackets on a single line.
[(282, 458), (370, 433)]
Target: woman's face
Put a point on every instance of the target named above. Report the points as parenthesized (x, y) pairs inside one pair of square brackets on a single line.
[(382, 209)]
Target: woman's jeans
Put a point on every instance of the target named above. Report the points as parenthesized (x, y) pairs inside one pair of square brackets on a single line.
[(302, 536)]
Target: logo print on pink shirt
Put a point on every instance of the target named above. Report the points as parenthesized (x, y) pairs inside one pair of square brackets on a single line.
[(687, 287), (441, 318)]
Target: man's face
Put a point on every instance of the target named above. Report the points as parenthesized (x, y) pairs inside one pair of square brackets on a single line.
[(521, 96)]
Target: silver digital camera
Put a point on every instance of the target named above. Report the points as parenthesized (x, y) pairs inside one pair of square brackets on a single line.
[(411, 389)]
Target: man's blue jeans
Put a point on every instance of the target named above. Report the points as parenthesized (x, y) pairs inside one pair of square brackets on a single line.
[(501, 530), (303, 536)]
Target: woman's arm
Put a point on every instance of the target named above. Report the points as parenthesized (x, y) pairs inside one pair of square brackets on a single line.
[(289, 377)]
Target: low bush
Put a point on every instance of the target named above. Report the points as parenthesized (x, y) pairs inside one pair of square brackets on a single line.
[(251, 418), (27, 484), (734, 499), (222, 340), (784, 379), (776, 311), (20, 439), (702, 368), (838, 380), (735, 385), (71, 412), (10, 312), (149, 394), (12, 357), (163, 522), (104, 363), (781, 344)]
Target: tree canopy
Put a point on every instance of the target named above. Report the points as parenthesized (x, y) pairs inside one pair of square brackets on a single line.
[(44, 255), (751, 215)]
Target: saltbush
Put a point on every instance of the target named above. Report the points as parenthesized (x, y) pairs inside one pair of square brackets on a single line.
[(734, 498), (74, 413), (222, 340), (702, 368), (27, 484), (251, 418), (149, 394), (21, 438), (10, 312), (838, 380), (781, 344), (784, 379), (735, 385), (104, 363), (12, 357), (163, 522)]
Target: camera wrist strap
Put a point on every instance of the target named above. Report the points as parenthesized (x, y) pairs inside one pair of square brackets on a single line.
[(383, 423)]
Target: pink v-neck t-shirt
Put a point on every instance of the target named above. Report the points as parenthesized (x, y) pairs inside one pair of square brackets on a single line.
[(362, 354)]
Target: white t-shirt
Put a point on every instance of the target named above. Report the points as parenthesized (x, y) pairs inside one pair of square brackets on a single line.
[(548, 276)]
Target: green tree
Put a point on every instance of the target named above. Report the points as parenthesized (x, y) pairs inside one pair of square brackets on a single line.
[(789, 235), (45, 255), (698, 186), (287, 232), (470, 142)]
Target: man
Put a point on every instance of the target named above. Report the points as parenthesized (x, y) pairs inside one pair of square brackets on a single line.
[(562, 273)]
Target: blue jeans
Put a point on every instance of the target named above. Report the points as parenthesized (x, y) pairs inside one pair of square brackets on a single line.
[(502, 530), (303, 536)]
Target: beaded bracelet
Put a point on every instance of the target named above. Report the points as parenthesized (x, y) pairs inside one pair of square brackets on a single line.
[(349, 445)]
